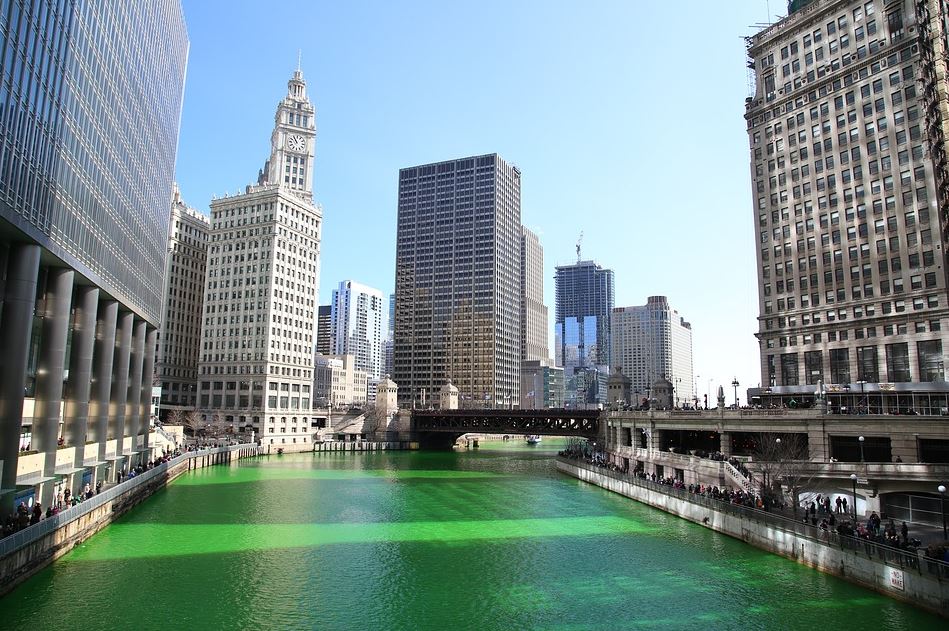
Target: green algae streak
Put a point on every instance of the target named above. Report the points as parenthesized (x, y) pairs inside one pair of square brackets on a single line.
[(490, 539)]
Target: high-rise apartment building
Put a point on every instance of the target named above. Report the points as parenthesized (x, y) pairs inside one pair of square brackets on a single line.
[(324, 330), (457, 311), (847, 137), (651, 342), (261, 293), (91, 95), (179, 339), (541, 385), (584, 299), (533, 309), (358, 322)]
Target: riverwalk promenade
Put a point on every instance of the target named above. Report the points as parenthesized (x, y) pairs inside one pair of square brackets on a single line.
[(911, 577)]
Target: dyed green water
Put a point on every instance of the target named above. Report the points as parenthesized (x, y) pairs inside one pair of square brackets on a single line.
[(494, 539)]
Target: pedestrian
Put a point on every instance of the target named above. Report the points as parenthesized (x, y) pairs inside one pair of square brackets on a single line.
[(837, 501), (37, 514), (904, 532), (843, 502)]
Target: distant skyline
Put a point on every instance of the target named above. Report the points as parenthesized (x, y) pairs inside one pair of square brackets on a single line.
[(626, 120)]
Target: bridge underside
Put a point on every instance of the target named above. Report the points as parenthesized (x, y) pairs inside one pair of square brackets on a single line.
[(440, 428)]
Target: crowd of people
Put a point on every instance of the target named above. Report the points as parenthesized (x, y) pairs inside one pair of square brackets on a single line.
[(25, 516)]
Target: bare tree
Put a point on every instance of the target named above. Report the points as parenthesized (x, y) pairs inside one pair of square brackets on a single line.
[(176, 417), (193, 422), (376, 419), (217, 424), (782, 464)]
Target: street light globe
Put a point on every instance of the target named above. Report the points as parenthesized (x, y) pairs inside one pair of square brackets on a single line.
[(777, 440), (853, 477), (860, 438), (941, 488)]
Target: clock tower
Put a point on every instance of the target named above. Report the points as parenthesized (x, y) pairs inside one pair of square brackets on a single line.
[(292, 144)]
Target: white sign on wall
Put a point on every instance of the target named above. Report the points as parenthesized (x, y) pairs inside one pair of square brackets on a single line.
[(896, 578)]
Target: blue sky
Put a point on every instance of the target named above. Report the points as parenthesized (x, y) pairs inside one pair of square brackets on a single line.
[(625, 118)]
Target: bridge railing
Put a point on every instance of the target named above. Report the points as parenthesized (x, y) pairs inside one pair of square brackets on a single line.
[(872, 550)]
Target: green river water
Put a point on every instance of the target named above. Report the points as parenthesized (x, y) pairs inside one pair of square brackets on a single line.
[(488, 539)]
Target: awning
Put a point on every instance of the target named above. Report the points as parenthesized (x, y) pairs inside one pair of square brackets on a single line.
[(67, 469), (94, 463), (32, 479)]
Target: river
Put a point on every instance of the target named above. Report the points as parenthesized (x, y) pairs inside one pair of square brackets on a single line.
[(487, 539)]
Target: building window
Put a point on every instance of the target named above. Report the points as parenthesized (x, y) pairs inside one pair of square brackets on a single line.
[(867, 366), (813, 367), (930, 360), (789, 370), (839, 365)]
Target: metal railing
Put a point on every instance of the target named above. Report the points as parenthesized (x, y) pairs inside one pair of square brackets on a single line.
[(738, 477), (861, 547), (45, 526)]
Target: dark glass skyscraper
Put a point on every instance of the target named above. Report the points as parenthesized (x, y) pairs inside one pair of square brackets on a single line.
[(457, 285), (584, 301), (90, 102)]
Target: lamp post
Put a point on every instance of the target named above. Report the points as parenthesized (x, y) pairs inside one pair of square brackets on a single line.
[(853, 478), (942, 494), (708, 392), (860, 440), (735, 385)]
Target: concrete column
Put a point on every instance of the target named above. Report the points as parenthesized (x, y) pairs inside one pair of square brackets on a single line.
[(133, 403), (120, 380), (725, 443), (101, 385), (49, 371), (16, 322), (148, 371), (78, 385)]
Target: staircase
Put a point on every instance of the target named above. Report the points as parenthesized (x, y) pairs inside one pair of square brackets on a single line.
[(735, 476)]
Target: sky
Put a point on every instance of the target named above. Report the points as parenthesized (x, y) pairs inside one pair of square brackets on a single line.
[(625, 118)]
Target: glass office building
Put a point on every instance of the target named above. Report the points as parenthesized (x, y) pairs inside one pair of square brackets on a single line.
[(90, 103)]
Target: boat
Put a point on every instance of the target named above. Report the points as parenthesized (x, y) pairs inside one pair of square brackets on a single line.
[(533, 439)]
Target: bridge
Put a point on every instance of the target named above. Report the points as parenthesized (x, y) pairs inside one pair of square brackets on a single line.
[(441, 428)]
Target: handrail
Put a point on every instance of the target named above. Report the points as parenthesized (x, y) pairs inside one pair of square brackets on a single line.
[(746, 484), (884, 553), (29, 534)]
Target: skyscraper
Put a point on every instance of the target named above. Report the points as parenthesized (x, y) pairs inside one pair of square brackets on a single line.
[(358, 321), (179, 341), (457, 310), (91, 95), (584, 300), (261, 294), (650, 342), (388, 350), (533, 309), (324, 330), (848, 161)]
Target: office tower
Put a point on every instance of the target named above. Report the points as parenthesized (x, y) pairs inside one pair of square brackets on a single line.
[(358, 322), (389, 345), (261, 299), (179, 340), (89, 129), (533, 310), (324, 330), (848, 159), (584, 300), (457, 310), (651, 342), (337, 382)]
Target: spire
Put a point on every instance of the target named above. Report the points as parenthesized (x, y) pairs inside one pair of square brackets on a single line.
[(296, 86)]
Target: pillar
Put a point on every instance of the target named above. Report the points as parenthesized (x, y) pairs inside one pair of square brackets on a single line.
[(16, 322), (134, 395), (78, 386), (148, 371), (725, 443), (120, 381), (50, 365), (101, 385)]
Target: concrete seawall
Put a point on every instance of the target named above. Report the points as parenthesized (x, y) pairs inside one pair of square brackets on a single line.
[(912, 585), (31, 549)]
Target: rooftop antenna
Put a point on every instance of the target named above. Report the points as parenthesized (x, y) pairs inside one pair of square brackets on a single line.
[(579, 241)]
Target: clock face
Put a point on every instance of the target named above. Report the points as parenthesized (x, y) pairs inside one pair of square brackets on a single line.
[(295, 142)]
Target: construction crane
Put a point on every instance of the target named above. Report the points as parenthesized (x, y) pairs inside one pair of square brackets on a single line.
[(579, 241)]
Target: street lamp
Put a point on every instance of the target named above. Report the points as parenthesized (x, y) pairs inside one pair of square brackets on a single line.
[(853, 478), (942, 493), (860, 440), (735, 385)]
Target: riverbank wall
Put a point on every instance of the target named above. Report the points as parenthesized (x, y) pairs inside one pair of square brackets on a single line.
[(24, 553), (909, 578), (340, 445)]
